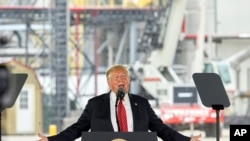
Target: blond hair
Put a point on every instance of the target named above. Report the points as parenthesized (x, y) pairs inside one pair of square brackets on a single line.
[(116, 67)]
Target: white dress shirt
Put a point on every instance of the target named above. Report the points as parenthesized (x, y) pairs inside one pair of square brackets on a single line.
[(127, 105)]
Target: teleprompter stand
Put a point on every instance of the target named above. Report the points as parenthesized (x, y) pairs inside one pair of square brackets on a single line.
[(212, 94), (11, 93)]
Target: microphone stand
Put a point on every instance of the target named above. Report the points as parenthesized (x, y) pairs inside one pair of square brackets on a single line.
[(117, 99)]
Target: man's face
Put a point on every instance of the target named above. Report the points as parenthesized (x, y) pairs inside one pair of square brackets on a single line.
[(118, 78)]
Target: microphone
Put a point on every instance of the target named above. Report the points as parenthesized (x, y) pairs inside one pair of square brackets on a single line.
[(120, 93)]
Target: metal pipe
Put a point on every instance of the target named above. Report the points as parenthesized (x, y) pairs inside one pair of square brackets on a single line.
[(27, 43), (96, 59), (218, 36), (77, 21)]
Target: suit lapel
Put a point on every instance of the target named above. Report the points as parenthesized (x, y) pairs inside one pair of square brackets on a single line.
[(135, 111), (106, 109)]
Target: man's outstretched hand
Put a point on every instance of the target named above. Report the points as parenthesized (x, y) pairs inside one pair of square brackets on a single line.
[(42, 137), (196, 138)]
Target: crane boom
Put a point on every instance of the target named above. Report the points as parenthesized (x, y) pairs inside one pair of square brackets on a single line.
[(165, 55)]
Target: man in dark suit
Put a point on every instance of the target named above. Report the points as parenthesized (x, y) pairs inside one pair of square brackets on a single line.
[(100, 113)]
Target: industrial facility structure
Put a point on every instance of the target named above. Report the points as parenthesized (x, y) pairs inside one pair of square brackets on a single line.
[(69, 44)]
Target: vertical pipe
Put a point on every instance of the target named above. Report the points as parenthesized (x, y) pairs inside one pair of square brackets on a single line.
[(96, 60), (197, 65), (110, 49), (133, 51), (215, 27), (110, 55), (27, 43), (133, 43), (183, 26), (215, 16), (217, 125), (96, 54), (77, 20)]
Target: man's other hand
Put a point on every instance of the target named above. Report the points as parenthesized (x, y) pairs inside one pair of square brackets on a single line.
[(42, 137), (196, 138)]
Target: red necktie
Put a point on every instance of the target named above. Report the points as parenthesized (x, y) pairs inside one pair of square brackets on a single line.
[(122, 118)]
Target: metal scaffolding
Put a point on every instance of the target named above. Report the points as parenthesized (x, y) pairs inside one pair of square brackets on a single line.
[(60, 60), (41, 39)]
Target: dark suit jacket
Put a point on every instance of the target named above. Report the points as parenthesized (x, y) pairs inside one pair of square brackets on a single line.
[(96, 117)]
